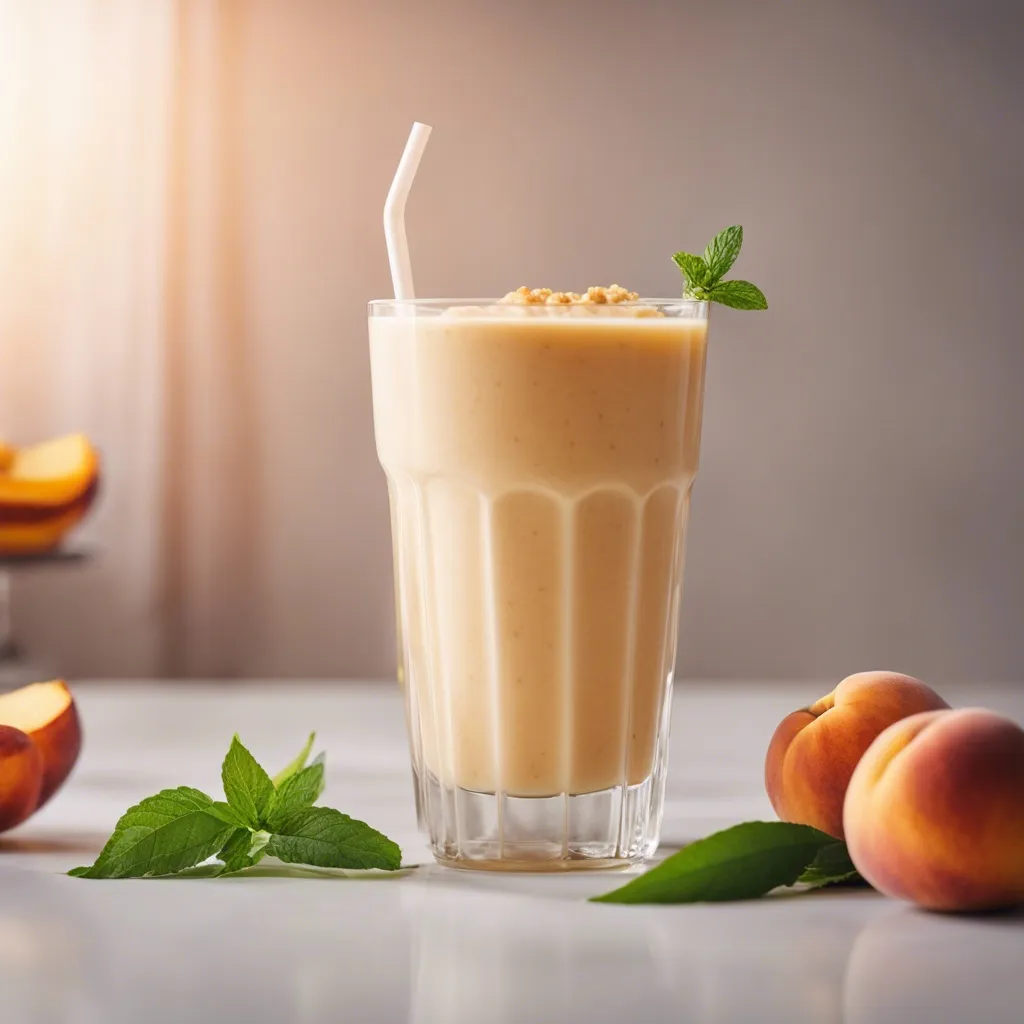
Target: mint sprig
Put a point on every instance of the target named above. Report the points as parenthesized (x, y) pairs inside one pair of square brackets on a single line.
[(177, 829), (740, 863), (704, 273)]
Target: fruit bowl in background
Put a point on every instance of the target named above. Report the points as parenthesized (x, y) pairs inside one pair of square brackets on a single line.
[(45, 491)]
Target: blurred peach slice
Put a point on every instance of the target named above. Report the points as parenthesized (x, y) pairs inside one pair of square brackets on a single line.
[(46, 713), (21, 777), (51, 474), (28, 530), (7, 453)]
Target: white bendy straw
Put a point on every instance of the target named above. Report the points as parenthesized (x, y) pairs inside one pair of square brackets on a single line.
[(394, 211)]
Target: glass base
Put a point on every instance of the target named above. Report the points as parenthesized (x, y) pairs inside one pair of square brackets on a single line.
[(539, 866), (497, 832)]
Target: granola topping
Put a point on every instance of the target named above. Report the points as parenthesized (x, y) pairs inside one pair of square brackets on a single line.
[(543, 303), (596, 296)]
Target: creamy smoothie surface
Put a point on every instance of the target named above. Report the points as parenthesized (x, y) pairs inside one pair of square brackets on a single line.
[(540, 452)]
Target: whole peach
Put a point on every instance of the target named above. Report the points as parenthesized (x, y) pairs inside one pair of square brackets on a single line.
[(21, 776), (935, 811), (814, 751)]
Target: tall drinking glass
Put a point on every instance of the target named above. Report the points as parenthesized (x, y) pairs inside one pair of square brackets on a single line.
[(539, 462)]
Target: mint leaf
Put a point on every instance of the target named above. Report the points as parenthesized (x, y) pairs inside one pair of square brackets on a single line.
[(243, 850), (246, 785), (297, 765), (721, 252), (161, 835), (738, 295), (300, 790), (228, 814), (694, 269), (329, 839), (739, 863), (831, 866), (235, 852)]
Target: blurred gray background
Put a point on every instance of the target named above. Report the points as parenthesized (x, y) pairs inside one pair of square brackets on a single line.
[(860, 502)]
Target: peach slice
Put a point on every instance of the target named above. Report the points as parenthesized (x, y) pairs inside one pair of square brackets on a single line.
[(7, 453), (36, 534), (51, 474), (19, 514), (46, 713), (21, 777)]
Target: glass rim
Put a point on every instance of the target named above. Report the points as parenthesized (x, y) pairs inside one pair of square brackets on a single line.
[(698, 306)]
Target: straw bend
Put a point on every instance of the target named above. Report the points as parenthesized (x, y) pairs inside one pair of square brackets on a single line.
[(394, 211)]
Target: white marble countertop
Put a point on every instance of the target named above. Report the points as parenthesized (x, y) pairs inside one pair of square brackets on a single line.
[(436, 946)]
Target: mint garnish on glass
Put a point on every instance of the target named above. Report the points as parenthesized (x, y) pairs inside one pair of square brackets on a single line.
[(704, 273), (262, 816), (742, 863)]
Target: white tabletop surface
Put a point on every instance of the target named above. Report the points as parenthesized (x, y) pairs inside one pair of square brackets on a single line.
[(432, 945)]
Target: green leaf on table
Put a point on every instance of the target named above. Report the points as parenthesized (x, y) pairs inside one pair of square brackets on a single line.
[(329, 839), (296, 765), (179, 830), (831, 866), (738, 295), (246, 785), (694, 269), (161, 835), (721, 252), (300, 790), (739, 863)]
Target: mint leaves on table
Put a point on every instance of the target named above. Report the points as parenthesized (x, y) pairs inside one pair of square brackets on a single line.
[(704, 273), (180, 828), (741, 863)]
